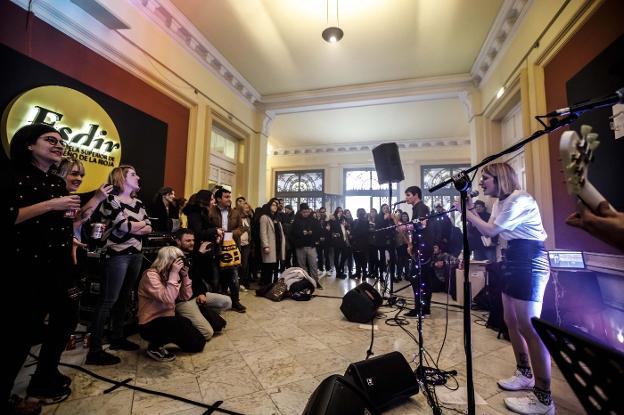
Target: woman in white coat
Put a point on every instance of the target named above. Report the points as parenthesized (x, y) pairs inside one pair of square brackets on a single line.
[(272, 241)]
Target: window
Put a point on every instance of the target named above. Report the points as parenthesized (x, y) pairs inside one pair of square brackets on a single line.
[(223, 151), (511, 133), (296, 187), (223, 145), (432, 175), (362, 190)]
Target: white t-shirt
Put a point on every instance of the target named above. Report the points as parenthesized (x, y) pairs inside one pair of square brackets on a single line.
[(519, 217)]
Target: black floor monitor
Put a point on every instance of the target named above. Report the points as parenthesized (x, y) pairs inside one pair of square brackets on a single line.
[(594, 371)]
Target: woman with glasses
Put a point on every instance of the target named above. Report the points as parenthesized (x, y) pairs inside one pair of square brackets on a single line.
[(516, 218), (126, 222), (41, 240)]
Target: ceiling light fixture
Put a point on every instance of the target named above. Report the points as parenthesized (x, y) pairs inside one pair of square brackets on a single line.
[(332, 34)]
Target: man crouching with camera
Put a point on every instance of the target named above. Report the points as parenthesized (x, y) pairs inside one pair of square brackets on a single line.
[(203, 304), (161, 285)]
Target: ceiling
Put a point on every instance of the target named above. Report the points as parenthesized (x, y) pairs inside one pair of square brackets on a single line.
[(403, 121), (276, 46)]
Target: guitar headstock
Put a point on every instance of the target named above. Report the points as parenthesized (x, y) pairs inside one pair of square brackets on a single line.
[(576, 154)]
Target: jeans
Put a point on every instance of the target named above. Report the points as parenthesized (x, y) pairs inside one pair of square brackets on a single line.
[(306, 258), (226, 277), (120, 274), (191, 311), (175, 329)]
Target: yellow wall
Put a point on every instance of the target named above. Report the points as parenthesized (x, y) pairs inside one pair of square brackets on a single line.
[(520, 69)]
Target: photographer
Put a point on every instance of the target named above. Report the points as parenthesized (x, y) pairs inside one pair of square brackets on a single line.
[(198, 261), (160, 287)]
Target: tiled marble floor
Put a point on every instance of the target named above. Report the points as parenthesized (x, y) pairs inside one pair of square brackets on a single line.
[(269, 360)]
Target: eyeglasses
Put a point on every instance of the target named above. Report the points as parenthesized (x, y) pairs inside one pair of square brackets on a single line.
[(54, 141)]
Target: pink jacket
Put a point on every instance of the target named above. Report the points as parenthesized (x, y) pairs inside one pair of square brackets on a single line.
[(157, 299)]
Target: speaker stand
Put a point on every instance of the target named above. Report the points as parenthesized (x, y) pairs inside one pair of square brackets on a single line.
[(392, 299)]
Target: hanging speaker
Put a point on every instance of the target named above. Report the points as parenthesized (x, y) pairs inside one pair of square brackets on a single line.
[(388, 163), (386, 380)]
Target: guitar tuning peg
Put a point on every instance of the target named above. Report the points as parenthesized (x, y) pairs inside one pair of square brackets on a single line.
[(585, 129)]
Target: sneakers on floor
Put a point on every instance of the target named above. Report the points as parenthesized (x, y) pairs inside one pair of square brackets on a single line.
[(160, 354), (21, 406), (124, 344), (101, 358), (239, 308), (529, 405), (47, 391), (517, 382)]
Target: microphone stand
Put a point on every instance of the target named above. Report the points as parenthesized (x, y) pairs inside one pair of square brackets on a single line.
[(463, 183)]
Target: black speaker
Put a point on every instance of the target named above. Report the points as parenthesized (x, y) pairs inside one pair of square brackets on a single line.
[(386, 380), (337, 395), (361, 303), (388, 163)]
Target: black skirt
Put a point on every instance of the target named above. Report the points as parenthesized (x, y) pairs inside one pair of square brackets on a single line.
[(525, 270)]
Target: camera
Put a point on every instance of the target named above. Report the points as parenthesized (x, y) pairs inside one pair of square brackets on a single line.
[(187, 261)]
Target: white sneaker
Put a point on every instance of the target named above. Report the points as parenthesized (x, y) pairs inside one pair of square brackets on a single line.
[(517, 382), (529, 405)]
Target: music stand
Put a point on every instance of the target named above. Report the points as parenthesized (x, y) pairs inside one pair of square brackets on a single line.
[(593, 371)]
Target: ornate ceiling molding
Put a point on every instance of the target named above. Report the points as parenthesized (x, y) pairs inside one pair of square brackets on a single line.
[(501, 33), (166, 16), (367, 147), (391, 92)]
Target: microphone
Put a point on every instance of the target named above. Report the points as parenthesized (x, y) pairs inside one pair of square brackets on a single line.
[(474, 193), (399, 202), (617, 98)]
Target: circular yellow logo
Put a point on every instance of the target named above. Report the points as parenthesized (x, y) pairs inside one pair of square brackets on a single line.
[(87, 129)]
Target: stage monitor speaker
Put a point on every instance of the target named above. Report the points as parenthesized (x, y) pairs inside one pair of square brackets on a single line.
[(388, 163), (386, 380), (361, 303), (337, 395)]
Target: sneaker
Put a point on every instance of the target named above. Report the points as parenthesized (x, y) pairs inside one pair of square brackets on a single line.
[(160, 354), (21, 406), (124, 344), (529, 405), (46, 391), (517, 382), (101, 358), (239, 308)]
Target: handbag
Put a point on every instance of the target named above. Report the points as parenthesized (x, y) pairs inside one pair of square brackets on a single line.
[(278, 291), (216, 321), (230, 256)]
